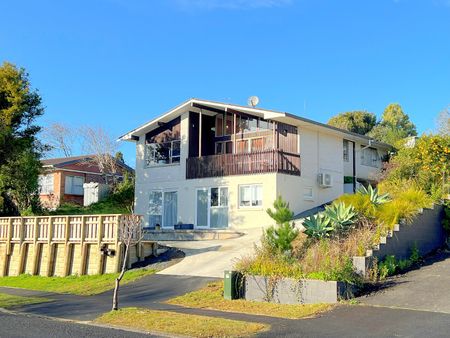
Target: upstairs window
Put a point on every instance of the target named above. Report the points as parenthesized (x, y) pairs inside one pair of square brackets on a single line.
[(221, 129), (162, 153), (74, 185), (45, 184)]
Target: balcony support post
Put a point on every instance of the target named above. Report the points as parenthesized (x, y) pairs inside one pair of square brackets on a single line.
[(200, 134)]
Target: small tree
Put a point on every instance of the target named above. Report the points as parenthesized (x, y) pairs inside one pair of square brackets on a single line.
[(280, 237), (130, 233)]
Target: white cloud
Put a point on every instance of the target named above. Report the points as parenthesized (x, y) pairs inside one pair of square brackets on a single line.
[(230, 4)]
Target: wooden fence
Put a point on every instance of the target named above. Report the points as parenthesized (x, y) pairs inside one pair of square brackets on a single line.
[(82, 228), (64, 245)]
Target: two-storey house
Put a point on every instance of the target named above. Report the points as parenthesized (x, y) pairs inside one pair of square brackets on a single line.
[(218, 165)]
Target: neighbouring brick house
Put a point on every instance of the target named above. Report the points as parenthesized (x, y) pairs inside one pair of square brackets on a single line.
[(63, 179)]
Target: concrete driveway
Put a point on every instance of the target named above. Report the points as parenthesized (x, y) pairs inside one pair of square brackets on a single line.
[(425, 289), (210, 258)]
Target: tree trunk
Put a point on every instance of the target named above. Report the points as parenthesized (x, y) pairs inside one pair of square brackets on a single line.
[(115, 305)]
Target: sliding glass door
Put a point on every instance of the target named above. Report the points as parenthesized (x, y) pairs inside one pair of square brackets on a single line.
[(212, 208), (163, 208)]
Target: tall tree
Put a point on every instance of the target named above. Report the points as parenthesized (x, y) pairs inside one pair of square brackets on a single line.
[(20, 150), (360, 122), (394, 126), (98, 143), (60, 138), (443, 122)]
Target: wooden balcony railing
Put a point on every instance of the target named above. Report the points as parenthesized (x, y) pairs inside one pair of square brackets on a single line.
[(269, 161)]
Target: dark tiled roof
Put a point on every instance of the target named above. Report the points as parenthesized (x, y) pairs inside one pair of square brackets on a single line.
[(65, 160), (61, 161)]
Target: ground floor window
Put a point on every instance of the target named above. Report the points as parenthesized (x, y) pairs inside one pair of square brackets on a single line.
[(212, 207), (74, 185), (163, 208), (250, 195)]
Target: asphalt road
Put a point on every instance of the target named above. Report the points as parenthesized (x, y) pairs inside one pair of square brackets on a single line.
[(14, 325)]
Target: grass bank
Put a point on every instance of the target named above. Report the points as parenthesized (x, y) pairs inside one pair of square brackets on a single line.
[(7, 301), (211, 297), (79, 285), (180, 323)]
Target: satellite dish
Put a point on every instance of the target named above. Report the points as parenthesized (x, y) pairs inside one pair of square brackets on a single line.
[(253, 101)]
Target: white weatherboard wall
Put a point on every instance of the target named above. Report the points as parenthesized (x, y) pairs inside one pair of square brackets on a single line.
[(320, 153), (362, 171)]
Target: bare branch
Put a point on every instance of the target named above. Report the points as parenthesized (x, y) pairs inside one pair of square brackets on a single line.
[(60, 137), (443, 122), (102, 147)]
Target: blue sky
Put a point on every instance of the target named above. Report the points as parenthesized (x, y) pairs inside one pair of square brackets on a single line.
[(119, 63)]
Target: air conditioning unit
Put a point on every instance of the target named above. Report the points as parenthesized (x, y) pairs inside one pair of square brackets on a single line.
[(325, 180)]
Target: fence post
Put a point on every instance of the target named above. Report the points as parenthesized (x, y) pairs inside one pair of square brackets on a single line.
[(50, 248), (83, 246), (118, 245), (101, 256), (22, 246), (37, 248), (67, 248)]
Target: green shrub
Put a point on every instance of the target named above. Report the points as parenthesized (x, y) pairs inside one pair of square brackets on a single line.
[(446, 219), (268, 264), (374, 195), (280, 238), (387, 267), (417, 197), (415, 254), (282, 213), (361, 203), (404, 264), (341, 216), (318, 226)]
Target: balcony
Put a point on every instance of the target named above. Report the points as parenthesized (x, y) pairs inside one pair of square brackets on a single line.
[(269, 161)]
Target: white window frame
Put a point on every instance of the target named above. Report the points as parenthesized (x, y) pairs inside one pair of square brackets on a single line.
[(208, 189), (150, 148), (46, 184), (252, 187), (162, 206), (69, 189)]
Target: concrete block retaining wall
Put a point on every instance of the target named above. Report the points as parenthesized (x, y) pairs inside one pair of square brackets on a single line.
[(425, 232), (291, 291)]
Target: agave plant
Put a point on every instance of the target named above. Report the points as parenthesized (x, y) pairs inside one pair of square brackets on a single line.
[(374, 196), (318, 226), (341, 216)]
